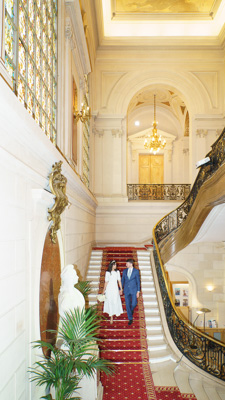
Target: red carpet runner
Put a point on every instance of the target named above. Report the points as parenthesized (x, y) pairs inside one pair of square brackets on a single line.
[(127, 346)]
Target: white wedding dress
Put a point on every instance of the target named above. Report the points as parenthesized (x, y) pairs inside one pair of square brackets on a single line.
[(112, 304)]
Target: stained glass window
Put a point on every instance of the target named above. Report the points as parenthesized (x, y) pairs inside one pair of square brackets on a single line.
[(31, 57), (86, 144)]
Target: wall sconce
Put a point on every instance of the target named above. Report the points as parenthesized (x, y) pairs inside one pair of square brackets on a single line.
[(83, 115), (210, 288)]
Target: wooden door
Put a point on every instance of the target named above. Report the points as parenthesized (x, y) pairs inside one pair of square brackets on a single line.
[(157, 169), (144, 168), (151, 169)]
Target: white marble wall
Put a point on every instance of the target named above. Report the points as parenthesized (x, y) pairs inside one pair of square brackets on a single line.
[(129, 223), (203, 265), (26, 157), (119, 76)]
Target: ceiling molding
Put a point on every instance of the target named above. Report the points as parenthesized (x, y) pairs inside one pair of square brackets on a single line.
[(167, 42), (74, 12)]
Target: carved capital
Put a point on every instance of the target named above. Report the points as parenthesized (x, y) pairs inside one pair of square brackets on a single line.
[(201, 133), (186, 151), (99, 132), (117, 133)]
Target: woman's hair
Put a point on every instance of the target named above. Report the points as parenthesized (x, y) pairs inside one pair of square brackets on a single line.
[(113, 262)]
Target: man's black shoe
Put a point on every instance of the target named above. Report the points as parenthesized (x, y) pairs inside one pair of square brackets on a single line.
[(130, 322)]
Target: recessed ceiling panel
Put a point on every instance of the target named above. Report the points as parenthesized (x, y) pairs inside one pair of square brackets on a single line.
[(127, 9)]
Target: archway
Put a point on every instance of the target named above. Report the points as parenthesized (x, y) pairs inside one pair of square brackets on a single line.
[(173, 125)]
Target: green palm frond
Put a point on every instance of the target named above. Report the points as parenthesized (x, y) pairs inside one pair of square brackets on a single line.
[(89, 366), (84, 287), (79, 328), (66, 366)]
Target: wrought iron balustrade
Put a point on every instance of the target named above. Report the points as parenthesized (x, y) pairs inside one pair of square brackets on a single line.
[(204, 351), (173, 220), (158, 191)]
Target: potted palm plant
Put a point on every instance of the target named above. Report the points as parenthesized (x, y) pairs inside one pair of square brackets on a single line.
[(65, 367)]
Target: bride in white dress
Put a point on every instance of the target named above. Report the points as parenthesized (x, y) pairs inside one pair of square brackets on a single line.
[(112, 304)]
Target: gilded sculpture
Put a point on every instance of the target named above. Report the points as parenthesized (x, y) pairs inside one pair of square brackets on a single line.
[(57, 183)]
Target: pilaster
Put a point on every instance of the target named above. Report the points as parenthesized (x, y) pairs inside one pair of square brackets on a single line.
[(110, 157)]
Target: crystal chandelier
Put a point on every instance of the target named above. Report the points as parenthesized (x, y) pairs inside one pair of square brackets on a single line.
[(154, 142)]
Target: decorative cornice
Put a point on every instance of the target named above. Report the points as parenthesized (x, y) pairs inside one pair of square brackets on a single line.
[(73, 10)]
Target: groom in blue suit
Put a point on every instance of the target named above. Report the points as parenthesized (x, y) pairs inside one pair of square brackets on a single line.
[(131, 285)]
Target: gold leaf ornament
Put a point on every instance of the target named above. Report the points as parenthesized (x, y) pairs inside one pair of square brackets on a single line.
[(57, 183)]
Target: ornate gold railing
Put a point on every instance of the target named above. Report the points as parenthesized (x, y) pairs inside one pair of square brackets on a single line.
[(204, 351), (173, 220), (157, 191)]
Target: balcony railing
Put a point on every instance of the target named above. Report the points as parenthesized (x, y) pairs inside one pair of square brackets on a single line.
[(204, 351), (158, 192)]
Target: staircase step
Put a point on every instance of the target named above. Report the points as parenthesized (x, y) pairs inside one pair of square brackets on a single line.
[(197, 388), (148, 282), (153, 328), (155, 337), (211, 392), (162, 356), (221, 393), (181, 376), (153, 320), (157, 347), (94, 263), (151, 310), (146, 273)]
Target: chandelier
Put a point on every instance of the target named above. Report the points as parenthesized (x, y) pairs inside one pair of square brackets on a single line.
[(154, 142)]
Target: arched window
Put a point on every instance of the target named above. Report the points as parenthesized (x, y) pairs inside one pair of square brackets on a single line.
[(31, 57)]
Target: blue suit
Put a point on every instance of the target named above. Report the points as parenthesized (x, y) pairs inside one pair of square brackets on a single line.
[(131, 287)]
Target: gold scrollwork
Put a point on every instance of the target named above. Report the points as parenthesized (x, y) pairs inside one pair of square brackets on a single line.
[(57, 183)]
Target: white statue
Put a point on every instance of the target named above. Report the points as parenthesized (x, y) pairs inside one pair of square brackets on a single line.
[(69, 296), (69, 299)]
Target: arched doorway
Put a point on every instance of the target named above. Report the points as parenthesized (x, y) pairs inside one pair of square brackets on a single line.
[(171, 164)]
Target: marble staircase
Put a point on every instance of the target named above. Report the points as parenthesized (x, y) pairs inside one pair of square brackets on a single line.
[(158, 349), (167, 368), (93, 275)]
